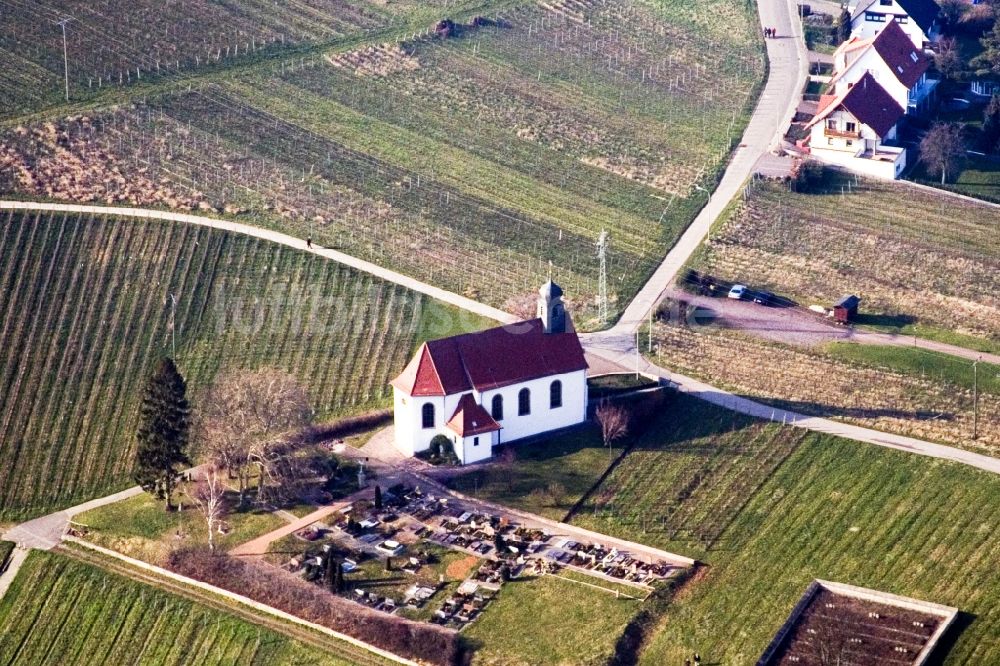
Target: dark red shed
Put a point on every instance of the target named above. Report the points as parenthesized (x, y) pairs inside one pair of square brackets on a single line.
[(846, 309)]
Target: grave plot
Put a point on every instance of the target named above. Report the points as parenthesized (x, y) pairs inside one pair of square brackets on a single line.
[(835, 623)]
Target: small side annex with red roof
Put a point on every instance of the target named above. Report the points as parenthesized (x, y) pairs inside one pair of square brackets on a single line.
[(494, 386)]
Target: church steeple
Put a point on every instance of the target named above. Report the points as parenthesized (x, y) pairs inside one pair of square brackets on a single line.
[(550, 309)]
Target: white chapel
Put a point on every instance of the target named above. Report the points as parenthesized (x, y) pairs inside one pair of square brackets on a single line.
[(494, 386)]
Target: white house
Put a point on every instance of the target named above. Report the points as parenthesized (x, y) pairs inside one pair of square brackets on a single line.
[(892, 60), (849, 130), (919, 19), (495, 386)]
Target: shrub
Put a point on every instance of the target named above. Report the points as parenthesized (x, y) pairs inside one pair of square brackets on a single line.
[(342, 427), (809, 177), (438, 444)]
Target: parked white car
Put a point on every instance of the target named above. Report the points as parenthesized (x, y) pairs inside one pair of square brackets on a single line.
[(738, 292)]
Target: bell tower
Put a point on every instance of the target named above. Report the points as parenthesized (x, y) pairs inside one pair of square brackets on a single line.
[(550, 308)]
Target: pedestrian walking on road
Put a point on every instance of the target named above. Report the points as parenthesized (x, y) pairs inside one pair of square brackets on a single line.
[(309, 243)]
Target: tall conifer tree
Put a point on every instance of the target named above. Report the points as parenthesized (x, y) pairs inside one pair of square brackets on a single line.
[(164, 421)]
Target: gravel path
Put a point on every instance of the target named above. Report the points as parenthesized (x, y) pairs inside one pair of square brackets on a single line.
[(798, 325)]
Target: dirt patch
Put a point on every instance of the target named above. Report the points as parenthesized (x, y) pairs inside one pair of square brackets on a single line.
[(460, 569), (686, 589), (790, 325)]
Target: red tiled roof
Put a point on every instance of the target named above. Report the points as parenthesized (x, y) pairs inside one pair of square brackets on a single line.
[(471, 418), (852, 44), (490, 359), (824, 103), (867, 101), (906, 61)]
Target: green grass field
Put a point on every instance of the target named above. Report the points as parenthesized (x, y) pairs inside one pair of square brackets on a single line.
[(62, 611), (684, 479), (548, 620), (140, 528), (768, 508), (908, 360), (978, 178), (574, 461), (853, 513), (930, 267), (86, 313), (470, 162)]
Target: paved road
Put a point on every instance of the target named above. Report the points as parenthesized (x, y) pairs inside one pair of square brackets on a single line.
[(17, 558), (257, 547), (46, 532), (789, 67), (621, 350)]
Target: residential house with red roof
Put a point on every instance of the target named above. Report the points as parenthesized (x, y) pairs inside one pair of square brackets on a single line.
[(920, 20), (494, 386), (850, 128), (891, 58)]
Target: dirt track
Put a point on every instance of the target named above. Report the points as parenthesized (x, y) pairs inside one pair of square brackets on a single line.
[(799, 326), (791, 325)]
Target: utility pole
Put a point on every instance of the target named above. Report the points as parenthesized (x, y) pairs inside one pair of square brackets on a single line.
[(637, 353), (173, 328), (62, 24), (975, 398)]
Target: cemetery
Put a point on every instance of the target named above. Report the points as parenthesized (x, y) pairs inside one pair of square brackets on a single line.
[(428, 558)]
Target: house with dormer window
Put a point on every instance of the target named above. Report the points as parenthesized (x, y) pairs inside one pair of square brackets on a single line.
[(891, 59), (495, 386), (919, 19), (855, 128)]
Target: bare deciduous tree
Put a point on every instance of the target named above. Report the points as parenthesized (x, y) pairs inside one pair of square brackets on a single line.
[(240, 421), (506, 460), (209, 495), (613, 420), (943, 148)]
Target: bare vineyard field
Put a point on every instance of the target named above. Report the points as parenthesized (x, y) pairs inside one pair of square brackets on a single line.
[(111, 48), (933, 262), (470, 162), (854, 513), (931, 405), (86, 311), (686, 479), (62, 611)]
